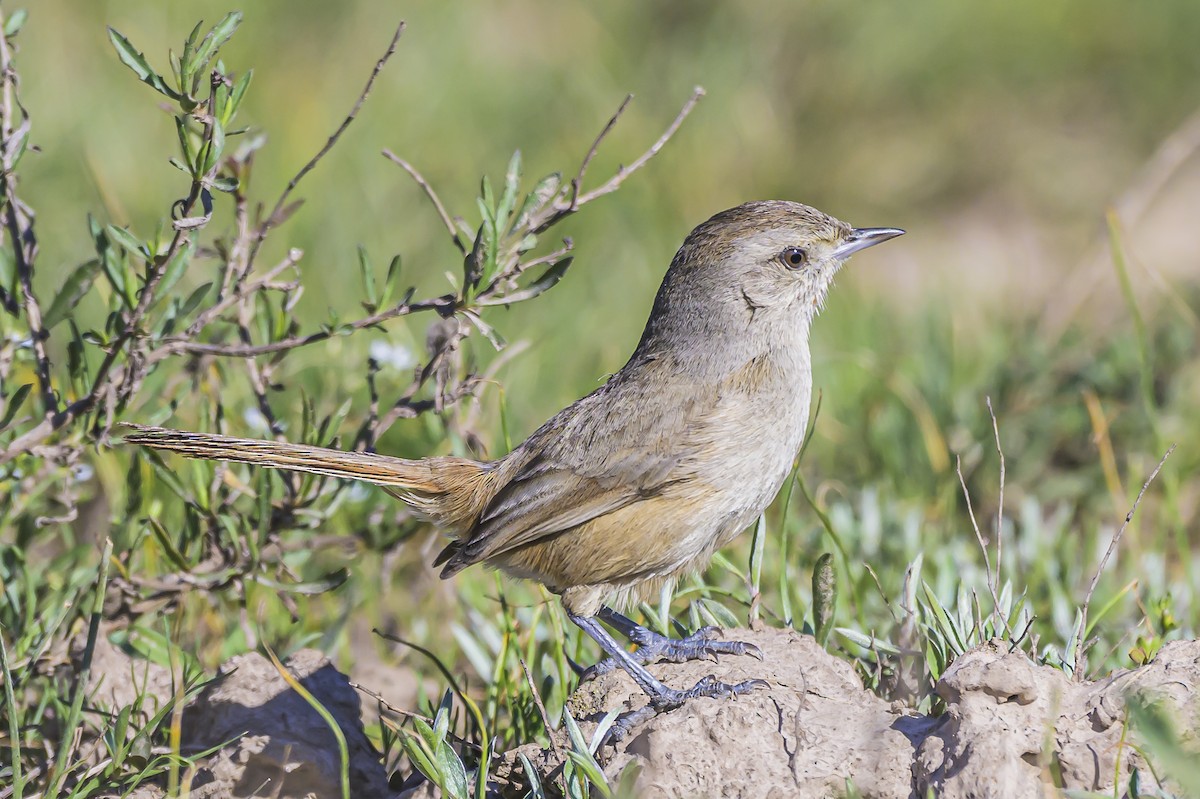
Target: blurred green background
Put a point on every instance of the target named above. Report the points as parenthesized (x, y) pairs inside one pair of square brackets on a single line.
[(997, 133)]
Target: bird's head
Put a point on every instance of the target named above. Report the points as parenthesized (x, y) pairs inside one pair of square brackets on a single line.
[(767, 263)]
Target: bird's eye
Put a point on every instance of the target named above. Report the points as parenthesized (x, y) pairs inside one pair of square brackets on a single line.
[(793, 257)]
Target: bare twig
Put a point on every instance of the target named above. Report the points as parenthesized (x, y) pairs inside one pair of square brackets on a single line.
[(541, 707), (408, 714), (209, 315), (1112, 547), (442, 304), (333, 139), (577, 183), (18, 220), (431, 194), (614, 183), (1000, 501), (987, 561)]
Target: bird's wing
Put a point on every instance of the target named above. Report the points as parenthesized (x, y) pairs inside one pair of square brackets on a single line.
[(613, 448)]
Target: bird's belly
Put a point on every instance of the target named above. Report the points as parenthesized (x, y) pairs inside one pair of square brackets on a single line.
[(729, 481)]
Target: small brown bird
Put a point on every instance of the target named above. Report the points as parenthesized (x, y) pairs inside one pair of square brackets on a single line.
[(642, 480)]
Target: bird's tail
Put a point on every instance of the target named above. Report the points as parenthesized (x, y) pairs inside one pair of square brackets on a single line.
[(448, 491)]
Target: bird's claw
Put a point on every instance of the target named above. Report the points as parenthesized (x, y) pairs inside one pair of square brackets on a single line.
[(700, 645), (708, 686)]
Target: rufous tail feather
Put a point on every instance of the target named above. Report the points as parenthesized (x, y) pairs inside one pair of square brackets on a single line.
[(378, 469), (448, 491)]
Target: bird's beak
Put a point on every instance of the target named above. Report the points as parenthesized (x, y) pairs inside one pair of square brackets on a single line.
[(864, 237)]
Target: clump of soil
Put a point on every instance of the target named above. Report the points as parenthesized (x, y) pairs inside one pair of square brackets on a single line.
[(1011, 728)]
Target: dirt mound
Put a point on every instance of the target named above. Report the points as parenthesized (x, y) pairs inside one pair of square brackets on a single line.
[(269, 740), (1009, 726)]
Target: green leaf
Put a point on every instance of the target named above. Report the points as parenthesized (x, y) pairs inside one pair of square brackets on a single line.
[(176, 267), (189, 47), (173, 61), (115, 270), (75, 359), (453, 771), (418, 752), (74, 289), (225, 184), (127, 240), (581, 755), (185, 144), (220, 99), (239, 91), (542, 193), (194, 299), (757, 550), (541, 285), (512, 181), (212, 42), (824, 592), (591, 770), (390, 282), (867, 642), (14, 404), (12, 25), (720, 615), (536, 791), (133, 59), (165, 539), (216, 146), (487, 199), (368, 278)]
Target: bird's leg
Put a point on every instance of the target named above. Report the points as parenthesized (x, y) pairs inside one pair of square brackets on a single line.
[(700, 645), (662, 697)]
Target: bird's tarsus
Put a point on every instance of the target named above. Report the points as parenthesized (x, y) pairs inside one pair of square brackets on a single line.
[(652, 647)]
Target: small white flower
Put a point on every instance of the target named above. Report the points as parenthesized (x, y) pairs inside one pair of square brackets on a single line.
[(397, 356), (82, 473)]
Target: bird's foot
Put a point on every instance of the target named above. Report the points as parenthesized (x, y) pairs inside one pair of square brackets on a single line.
[(707, 686), (672, 698), (652, 647)]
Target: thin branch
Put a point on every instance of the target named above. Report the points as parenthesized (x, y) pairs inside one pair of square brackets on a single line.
[(102, 384), (442, 304), (987, 561), (1000, 502), (624, 172), (587, 159), (337, 134), (210, 315), (1112, 547), (541, 708), (399, 711), (19, 222), (431, 194)]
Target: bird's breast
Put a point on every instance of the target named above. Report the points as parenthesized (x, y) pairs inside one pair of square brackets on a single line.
[(755, 431)]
